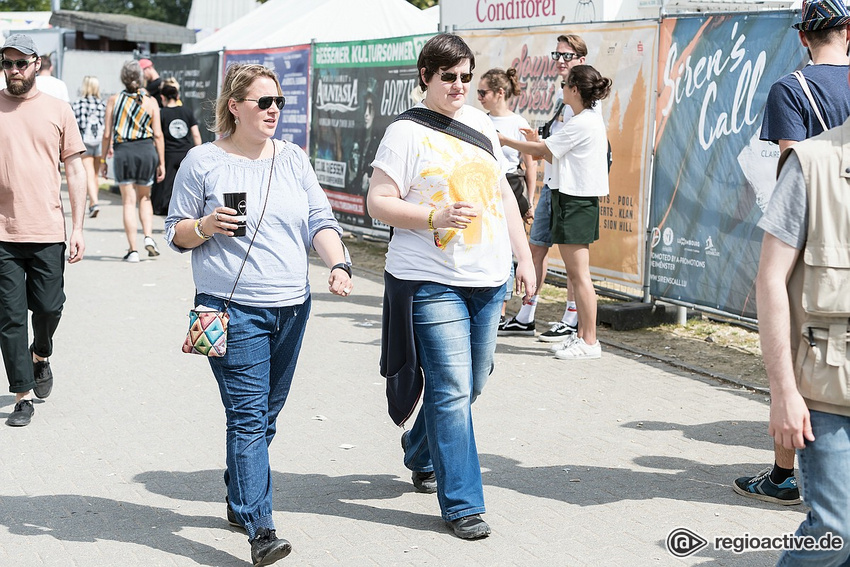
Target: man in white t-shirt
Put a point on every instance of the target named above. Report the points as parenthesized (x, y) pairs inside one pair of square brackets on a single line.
[(571, 51), (47, 83)]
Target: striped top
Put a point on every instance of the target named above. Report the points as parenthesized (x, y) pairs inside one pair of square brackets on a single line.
[(130, 120)]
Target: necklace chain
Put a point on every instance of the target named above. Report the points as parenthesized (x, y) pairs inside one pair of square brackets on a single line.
[(235, 145)]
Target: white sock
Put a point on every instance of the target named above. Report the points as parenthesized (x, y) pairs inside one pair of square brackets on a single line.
[(571, 314), (526, 312)]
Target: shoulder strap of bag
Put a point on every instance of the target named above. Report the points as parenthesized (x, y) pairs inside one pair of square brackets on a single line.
[(805, 85), (256, 230), (450, 126)]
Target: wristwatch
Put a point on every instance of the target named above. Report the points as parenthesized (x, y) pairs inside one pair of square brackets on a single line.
[(343, 266)]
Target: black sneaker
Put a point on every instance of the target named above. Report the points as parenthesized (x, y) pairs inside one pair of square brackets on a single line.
[(22, 414), (502, 323), (514, 327), (762, 488), (266, 548), (557, 333), (43, 378), (470, 527), (425, 482), (231, 516)]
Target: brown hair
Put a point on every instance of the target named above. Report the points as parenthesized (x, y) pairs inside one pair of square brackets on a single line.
[(590, 84), (442, 51), (237, 80), (505, 80), (818, 38), (575, 42), (131, 76)]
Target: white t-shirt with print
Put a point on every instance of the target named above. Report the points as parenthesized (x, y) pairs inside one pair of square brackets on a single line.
[(509, 126), (580, 154), (434, 169)]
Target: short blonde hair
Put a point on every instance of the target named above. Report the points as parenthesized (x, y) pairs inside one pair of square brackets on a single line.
[(237, 80), (91, 86)]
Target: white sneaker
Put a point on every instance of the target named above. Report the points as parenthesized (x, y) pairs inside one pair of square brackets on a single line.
[(580, 350), (150, 246), (566, 343), (132, 256)]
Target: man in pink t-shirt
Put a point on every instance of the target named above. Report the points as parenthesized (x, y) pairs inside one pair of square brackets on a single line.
[(36, 133)]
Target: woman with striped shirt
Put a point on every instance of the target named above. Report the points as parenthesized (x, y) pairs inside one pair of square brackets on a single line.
[(133, 137)]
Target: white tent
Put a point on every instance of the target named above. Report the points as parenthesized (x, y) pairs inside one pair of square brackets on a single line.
[(279, 23)]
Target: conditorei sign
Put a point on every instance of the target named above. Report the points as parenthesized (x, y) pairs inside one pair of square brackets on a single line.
[(500, 14)]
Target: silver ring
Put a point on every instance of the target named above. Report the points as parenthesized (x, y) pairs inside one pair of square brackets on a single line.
[(216, 217)]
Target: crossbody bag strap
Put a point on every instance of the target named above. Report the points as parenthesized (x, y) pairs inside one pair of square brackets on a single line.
[(450, 126), (805, 85), (256, 230)]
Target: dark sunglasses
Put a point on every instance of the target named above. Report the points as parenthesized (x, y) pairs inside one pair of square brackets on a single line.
[(264, 102), (19, 63), (565, 56), (482, 93), (452, 77)]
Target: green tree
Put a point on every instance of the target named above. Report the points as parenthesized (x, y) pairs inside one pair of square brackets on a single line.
[(169, 11), (24, 5)]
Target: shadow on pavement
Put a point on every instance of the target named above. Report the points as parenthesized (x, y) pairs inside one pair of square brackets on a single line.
[(676, 479), (304, 494), (752, 434), (71, 517)]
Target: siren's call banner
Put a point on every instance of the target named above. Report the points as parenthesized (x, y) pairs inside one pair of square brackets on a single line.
[(713, 176), (358, 89)]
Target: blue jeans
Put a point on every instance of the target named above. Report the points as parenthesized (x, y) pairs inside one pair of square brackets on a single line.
[(541, 229), (455, 330), (825, 484), (254, 379)]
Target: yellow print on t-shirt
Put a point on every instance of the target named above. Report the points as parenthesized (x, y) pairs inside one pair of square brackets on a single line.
[(464, 175)]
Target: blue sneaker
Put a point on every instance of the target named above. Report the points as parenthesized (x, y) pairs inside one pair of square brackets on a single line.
[(761, 487)]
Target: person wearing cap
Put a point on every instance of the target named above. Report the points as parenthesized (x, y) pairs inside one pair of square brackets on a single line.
[(790, 117), (153, 82), (37, 131)]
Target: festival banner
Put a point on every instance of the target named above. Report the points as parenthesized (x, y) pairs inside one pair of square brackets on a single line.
[(624, 52), (197, 75), (713, 176), (292, 65), (359, 88)]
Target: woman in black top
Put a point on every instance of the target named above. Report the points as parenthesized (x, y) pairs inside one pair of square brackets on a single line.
[(181, 133)]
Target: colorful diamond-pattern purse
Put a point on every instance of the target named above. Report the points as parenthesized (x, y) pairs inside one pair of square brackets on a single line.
[(207, 332)]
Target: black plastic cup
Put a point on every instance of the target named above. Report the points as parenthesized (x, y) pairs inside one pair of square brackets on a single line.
[(238, 201)]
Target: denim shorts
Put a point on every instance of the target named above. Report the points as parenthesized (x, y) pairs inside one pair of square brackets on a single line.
[(135, 162), (541, 228)]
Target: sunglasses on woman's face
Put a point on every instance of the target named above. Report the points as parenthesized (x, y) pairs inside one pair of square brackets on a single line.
[(566, 56), (264, 102), (452, 77), (19, 63), (482, 93)]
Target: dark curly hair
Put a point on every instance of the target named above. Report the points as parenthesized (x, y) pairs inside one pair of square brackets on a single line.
[(590, 84)]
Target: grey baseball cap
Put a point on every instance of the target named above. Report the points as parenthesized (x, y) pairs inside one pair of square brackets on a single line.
[(21, 42)]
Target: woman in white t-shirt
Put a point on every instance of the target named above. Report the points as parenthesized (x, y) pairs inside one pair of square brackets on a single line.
[(579, 154), (455, 223), (495, 88)]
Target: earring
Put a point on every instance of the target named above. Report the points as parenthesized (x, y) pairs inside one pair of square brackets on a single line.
[(236, 120)]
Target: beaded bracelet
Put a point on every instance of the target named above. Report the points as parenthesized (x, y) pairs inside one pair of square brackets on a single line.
[(431, 219), (200, 232)]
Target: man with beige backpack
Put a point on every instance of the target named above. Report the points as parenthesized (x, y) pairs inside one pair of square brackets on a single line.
[(804, 319), (801, 105)]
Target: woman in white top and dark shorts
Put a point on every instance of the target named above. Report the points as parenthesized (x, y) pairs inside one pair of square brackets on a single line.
[(579, 154)]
